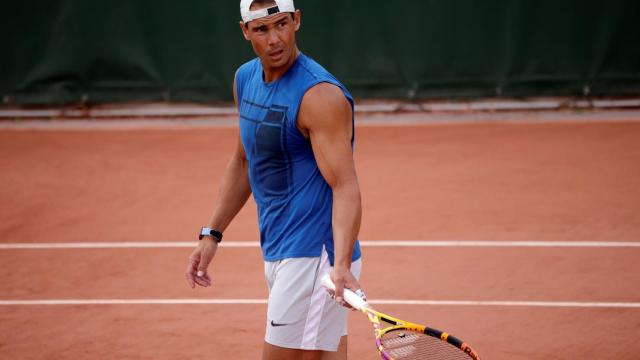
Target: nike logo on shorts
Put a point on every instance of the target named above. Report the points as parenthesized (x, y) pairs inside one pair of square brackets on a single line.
[(277, 324)]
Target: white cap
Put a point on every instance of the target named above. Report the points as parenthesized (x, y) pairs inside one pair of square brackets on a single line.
[(280, 6)]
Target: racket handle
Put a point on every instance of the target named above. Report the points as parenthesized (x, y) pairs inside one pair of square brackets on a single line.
[(349, 296)]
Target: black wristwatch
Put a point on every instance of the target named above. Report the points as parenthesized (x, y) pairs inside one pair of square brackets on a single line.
[(215, 234)]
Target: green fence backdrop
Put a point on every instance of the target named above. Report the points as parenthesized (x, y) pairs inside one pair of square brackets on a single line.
[(72, 51)]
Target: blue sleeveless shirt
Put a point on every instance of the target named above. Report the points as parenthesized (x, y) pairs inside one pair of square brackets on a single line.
[(293, 199)]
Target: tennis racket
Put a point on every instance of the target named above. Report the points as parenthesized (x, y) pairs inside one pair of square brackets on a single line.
[(399, 339)]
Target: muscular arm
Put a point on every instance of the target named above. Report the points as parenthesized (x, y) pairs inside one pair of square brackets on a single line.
[(234, 190), (233, 194), (325, 117)]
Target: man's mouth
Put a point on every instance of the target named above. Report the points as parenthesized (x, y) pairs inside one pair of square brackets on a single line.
[(276, 54)]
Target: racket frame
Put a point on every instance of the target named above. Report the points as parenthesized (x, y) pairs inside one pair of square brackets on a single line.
[(377, 318)]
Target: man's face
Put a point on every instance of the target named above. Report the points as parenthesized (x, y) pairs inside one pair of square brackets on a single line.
[(273, 38)]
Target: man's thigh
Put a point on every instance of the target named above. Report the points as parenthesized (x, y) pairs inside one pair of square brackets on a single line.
[(272, 352)]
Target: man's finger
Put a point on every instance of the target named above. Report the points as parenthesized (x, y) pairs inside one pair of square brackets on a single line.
[(189, 274), (202, 281), (339, 293), (190, 280), (206, 277), (203, 277)]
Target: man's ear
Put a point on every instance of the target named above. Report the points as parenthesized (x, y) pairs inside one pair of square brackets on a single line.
[(297, 18), (245, 30)]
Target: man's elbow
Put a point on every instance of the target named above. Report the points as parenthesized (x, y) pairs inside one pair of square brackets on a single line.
[(348, 185)]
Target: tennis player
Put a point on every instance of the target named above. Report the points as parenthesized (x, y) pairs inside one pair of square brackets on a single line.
[(295, 155)]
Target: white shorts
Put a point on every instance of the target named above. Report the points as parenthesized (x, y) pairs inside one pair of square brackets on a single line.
[(301, 314)]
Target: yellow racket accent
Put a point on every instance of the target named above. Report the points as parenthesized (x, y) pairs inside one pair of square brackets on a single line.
[(415, 342)]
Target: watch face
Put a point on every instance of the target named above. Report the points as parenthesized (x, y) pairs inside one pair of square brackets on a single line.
[(205, 231)]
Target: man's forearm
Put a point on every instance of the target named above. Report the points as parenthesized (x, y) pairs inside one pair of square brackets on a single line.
[(347, 214), (233, 194)]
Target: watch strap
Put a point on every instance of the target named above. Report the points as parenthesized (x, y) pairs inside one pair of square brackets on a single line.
[(205, 231)]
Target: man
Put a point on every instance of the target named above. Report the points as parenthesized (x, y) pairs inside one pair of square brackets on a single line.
[(295, 155)]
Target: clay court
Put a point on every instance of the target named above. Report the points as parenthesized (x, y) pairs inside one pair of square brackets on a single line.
[(519, 233)]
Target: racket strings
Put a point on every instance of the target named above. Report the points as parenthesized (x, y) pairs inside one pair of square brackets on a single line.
[(406, 344)]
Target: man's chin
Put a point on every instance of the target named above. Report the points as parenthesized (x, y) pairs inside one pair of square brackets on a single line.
[(276, 64)]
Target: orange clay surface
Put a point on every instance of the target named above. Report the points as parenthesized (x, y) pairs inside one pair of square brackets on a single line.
[(552, 181)]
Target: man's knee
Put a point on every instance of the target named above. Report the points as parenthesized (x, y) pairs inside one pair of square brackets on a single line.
[(273, 352)]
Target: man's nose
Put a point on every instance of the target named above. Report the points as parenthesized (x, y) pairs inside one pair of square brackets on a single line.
[(273, 37)]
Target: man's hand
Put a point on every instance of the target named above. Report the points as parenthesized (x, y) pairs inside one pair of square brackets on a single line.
[(343, 278), (199, 262)]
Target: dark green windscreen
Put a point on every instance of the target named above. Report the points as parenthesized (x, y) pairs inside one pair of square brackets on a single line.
[(71, 51)]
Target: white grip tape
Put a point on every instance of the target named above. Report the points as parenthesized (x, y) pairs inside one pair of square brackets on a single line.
[(349, 296)]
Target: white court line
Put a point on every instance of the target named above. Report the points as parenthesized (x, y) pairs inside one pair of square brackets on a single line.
[(134, 302), (572, 304), (365, 243), (561, 304), (474, 243), (122, 245)]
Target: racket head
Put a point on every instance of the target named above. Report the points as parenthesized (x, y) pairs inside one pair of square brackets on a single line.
[(411, 343)]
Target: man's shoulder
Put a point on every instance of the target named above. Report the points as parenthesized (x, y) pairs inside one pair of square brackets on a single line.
[(324, 93), (312, 68), (322, 85)]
